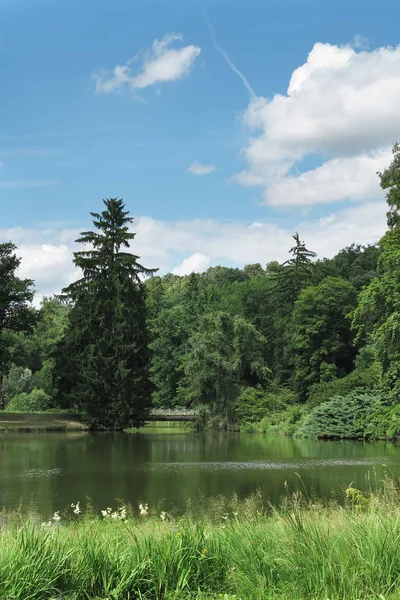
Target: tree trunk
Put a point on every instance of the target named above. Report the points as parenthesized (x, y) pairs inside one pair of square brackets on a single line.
[(1, 391)]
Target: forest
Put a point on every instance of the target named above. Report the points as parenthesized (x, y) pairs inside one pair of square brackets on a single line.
[(310, 347)]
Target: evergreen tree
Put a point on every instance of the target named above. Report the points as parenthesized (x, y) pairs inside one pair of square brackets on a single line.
[(102, 362), (15, 313), (295, 273)]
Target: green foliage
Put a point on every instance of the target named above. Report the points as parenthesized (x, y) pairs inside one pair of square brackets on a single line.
[(356, 264), (341, 417), (384, 422), (294, 274), (390, 181), (320, 334), (15, 313), (253, 404), (102, 361), (36, 400), (43, 378), (323, 391), (225, 354), (18, 380)]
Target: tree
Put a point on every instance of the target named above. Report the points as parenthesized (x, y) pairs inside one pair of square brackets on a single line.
[(390, 181), (15, 312), (295, 273), (102, 362), (357, 264), (223, 356), (377, 316), (321, 342)]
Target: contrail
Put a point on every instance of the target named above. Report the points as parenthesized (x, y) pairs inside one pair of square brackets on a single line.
[(230, 64)]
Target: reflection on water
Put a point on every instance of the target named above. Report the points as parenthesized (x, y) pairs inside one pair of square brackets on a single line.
[(48, 471)]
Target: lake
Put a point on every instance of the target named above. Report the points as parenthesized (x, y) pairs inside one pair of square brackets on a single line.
[(48, 471)]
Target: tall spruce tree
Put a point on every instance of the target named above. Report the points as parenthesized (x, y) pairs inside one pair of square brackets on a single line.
[(102, 362), (15, 313), (294, 274)]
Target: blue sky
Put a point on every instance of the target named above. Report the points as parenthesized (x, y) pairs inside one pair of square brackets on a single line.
[(72, 132)]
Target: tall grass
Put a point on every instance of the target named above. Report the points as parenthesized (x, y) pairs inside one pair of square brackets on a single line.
[(301, 551)]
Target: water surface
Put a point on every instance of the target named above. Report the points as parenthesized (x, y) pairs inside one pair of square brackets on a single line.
[(48, 471)]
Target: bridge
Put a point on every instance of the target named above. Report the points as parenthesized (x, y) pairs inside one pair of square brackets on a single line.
[(181, 415)]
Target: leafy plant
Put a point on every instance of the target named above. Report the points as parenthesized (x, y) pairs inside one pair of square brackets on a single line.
[(341, 417), (36, 400)]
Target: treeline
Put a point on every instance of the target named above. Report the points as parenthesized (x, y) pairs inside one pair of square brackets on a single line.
[(309, 347)]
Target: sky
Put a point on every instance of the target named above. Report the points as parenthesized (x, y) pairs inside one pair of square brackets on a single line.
[(225, 125)]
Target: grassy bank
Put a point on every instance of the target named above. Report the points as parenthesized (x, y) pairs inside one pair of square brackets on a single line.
[(301, 551), (40, 421)]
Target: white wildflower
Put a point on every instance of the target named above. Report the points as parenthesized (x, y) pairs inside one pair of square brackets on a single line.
[(143, 510), (56, 517), (76, 508), (163, 516)]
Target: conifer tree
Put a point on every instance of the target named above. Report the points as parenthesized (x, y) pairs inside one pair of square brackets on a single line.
[(102, 362), (295, 273)]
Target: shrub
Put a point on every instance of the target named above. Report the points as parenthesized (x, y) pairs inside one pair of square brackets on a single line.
[(360, 378), (342, 416), (36, 400)]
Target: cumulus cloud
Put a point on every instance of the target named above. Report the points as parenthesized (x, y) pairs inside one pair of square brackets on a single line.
[(340, 105), (196, 263), (160, 64), (197, 168), (352, 177)]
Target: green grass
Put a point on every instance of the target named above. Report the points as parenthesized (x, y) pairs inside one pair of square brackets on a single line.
[(40, 421), (301, 551)]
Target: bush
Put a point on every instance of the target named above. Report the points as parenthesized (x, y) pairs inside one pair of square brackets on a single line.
[(360, 378), (36, 400), (342, 416)]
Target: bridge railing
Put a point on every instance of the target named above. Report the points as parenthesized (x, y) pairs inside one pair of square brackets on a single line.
[(180, 414)]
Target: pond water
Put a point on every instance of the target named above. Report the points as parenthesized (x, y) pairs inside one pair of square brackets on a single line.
[(48, 471)]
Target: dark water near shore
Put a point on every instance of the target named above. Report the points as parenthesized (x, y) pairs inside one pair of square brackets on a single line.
[(47, 471)]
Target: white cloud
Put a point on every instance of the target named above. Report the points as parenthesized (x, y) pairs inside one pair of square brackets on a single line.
[(196, 263), (341, 105), (197, 168), (197, 244), (351, 177), (160, 64)]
